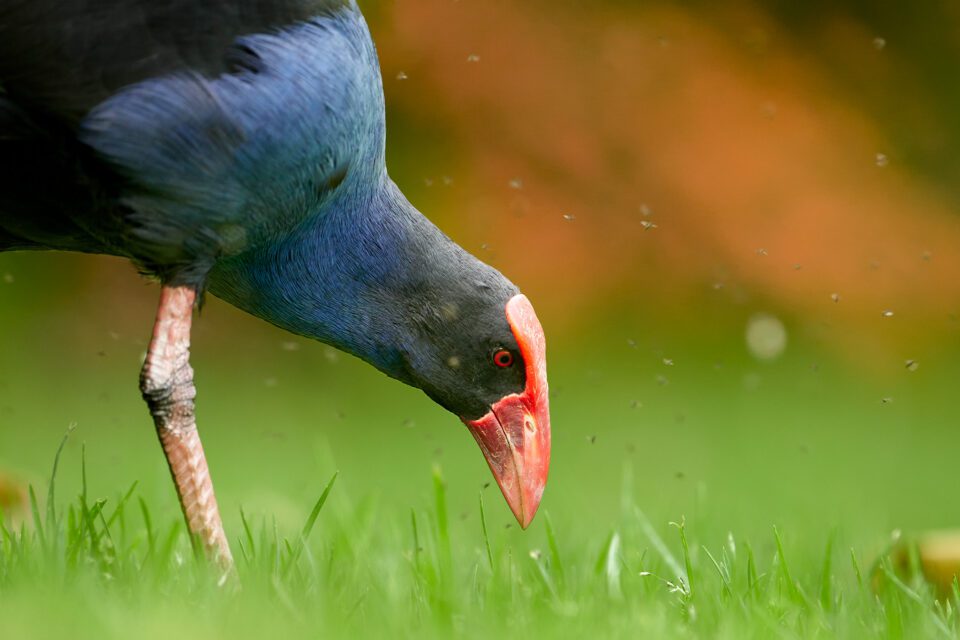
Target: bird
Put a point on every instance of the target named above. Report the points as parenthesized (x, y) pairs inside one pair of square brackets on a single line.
[(237, 148)]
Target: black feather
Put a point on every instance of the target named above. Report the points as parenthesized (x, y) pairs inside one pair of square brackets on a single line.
[(66, 56)]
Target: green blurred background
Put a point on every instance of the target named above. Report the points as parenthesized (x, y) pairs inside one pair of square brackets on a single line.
[(653, 175)]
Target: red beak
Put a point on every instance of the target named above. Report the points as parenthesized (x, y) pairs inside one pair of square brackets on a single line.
[(515, 435)]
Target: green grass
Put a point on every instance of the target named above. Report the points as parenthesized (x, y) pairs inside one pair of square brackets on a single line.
[(716, 497), (104, 567)]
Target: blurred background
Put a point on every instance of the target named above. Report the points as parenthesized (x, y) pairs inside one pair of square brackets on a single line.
[(740, 228)]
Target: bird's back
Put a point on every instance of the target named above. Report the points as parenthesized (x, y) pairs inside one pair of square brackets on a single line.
[(75, 150), (66, 56)]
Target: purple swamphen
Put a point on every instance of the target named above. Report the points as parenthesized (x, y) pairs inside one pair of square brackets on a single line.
[(237, 147)]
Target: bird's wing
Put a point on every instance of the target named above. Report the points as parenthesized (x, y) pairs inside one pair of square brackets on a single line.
[(208, 125), (67, 56)]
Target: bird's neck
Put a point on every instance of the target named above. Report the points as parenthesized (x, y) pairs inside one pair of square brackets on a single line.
[(348, 276)]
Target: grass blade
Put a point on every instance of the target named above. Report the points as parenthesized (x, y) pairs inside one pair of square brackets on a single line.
[(51, 500), (294, 552), (118, 510), (753, 580), (793, 587), (724, 578), (251, 545), (486, 535), (416, 539), (856, 567), (911, 594), (554, 551), (443, 525), (612, 568), (826, 577), (170, 542), (602, 558), (687, 560), (661, 547), (37, 521), (315, 513), (544, 575), (83, 472), (148, 523)]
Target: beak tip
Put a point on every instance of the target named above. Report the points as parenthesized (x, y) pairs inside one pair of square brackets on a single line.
[(525, 516)]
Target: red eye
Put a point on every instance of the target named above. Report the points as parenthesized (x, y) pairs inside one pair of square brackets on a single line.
[(503, 358)]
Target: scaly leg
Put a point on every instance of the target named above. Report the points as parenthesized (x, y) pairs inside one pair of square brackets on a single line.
[(166, 382)]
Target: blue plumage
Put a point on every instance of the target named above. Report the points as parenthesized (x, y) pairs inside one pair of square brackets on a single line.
[(237, 146), (264, 182), (221, 165)]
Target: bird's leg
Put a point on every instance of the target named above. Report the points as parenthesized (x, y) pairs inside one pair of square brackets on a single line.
[(166, 382)]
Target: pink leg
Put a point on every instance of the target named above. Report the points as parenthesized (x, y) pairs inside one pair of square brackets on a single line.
[(166, 382)]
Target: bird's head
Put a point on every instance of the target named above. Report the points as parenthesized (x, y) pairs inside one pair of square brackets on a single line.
[(481, 354)]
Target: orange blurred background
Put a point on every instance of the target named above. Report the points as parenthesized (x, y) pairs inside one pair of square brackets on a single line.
[(689, 162)]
